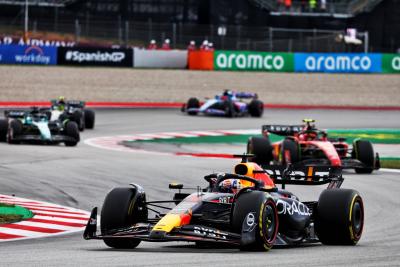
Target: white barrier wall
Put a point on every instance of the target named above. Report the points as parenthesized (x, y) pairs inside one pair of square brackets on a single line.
[(171, 59)]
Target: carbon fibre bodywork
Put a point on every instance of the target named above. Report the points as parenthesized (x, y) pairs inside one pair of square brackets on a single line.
[(207, 215)]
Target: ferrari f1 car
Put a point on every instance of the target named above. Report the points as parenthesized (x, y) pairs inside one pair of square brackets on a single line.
[(228, 104), (304, 145), (34, 126), (244, 209), (73, 110)]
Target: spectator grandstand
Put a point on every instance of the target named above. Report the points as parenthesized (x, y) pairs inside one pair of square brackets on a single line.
[(270, 25)]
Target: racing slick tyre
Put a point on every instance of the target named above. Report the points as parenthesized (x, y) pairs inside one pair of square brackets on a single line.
[(89, 118), (256, 108), (71, 130), (261, 148), (77, 117), (255, 217), (364, 152), (14, 129), (229, 109), (339, 217), (192, 103), (122, 208), (3, 130), (289, 152)]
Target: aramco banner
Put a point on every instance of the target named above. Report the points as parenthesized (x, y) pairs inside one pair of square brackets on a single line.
[(391, 63), (253, 61), (338, 62)]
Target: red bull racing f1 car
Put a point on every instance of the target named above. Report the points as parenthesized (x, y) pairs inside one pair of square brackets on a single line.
[(228, 104), (305, 145), (244, 209)]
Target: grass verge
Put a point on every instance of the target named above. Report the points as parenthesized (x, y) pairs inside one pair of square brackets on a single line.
[(390, 163), (10, 213)]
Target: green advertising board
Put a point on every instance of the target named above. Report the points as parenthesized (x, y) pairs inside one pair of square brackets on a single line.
[(391, 63), (253, 61)]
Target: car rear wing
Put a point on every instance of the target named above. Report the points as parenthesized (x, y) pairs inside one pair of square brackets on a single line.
[(15, 114), (283, 130), (76, 103), (72, 103), (304, 175)]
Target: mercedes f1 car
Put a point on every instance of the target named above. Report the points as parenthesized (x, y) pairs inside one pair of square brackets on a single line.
[(73, 110), (228, 104), (244, 209), (304, 145), (33, 126)]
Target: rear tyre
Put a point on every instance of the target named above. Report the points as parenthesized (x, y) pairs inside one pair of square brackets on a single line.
[(289, 152), (14, 129), (77, 117), (121, 208), (71, 130), (3, 130), (192, 103), (261, 148), (257, 211), (339, 217), (89, 118), (256, 108), (364, 152)]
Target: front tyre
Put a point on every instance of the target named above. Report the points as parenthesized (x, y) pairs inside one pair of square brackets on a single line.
[(339, 217), (193, 103), (364, 152), (255, 212), (89, 118), (14, 129), (122, 208), (229, 108), (256, 108), (3, 130), (72, 130)]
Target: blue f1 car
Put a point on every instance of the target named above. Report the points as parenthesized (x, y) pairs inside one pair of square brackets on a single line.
[(228, 104)]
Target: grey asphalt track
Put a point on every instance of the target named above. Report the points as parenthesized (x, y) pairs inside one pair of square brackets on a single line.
[(81, 176)]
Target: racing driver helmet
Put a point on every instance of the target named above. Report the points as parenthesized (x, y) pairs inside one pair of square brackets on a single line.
[(230, 186), (60, 103)]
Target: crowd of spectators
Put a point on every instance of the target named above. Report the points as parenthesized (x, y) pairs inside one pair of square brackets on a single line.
[(303, 5), (166, 45)]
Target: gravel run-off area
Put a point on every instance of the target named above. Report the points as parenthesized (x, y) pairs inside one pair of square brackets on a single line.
[(37, 83)]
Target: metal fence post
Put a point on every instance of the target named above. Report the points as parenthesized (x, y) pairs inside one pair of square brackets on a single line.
[(366, 42), (174, 35), (55, 18), (150, 25), (314, 39), (270, 39), (239, 35), (34, 26), (126, 32), (77, 31), (119, 30)]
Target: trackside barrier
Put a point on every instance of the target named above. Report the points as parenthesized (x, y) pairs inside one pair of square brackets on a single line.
[(253, 61), (91, 56), (391, 63), (295, 62), (28, 54), (201, 60), (338, 62), (171, 59)]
